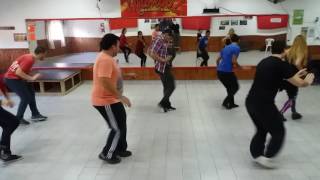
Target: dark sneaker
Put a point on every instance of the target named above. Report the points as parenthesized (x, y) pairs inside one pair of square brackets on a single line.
[(226, 106), (125, 154), (24, 122), (284, 119), (170, 108), (39, 117), (164, 109), (296, 116), (114, 160), (233, 106), (8, 158), (230, 106)]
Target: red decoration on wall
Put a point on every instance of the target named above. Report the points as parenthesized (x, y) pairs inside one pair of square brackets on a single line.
[(119, 23), (31, 37), (31, 28), (272, 21), (196, 23), (153, 8)]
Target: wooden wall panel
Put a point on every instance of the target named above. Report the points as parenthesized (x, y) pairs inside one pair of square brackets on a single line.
[(187, 43), (7, 56), (57, 51), (77, 45), (87, 74), (189, 73), (314, 52)]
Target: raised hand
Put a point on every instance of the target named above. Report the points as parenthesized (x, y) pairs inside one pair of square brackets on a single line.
[(309, 78)]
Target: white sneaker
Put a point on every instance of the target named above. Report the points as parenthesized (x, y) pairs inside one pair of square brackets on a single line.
[(265, 162)]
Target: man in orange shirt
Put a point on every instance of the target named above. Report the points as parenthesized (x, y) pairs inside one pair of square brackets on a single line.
[(107, 98), (16, 79)]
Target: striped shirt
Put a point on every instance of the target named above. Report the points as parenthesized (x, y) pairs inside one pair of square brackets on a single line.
[(160, 47)]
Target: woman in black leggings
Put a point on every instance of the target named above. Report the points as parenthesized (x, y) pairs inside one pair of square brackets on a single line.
[(297, 56), (9, 124)]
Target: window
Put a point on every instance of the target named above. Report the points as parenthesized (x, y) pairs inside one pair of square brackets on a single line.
[(55, 32)]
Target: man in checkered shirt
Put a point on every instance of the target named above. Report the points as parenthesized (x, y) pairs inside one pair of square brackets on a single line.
[(160, 52)]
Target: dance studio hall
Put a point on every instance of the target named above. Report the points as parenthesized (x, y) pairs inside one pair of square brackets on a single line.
[(160, 90)]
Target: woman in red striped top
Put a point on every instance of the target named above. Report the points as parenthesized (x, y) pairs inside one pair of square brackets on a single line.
[(141, 44), (124, 46)]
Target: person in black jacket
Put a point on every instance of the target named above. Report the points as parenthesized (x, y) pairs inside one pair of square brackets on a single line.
[(260, 103)]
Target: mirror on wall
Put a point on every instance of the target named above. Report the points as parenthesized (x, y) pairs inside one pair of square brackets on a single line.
[(78, 39)]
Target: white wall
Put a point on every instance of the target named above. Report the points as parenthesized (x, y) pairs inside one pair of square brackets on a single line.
[(195, 7), (249, 29), (6, 37), (311, 11), (84, 28), (14, 12)]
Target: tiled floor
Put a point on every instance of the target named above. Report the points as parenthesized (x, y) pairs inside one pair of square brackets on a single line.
[(199, 141), (182, 59)]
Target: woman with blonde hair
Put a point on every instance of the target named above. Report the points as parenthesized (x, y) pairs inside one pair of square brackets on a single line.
[(228, 36), (297, 56)]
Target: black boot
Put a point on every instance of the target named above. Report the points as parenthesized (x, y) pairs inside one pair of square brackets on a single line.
[(296, 116), (164, 108)]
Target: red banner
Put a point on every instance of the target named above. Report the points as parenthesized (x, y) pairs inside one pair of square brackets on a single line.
[(119, 23), (272, 21), (153, 8), (196, 23)]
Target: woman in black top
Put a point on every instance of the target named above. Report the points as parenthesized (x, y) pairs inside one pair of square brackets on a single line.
[(260, 105)]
